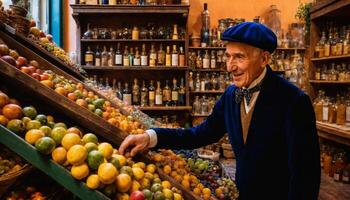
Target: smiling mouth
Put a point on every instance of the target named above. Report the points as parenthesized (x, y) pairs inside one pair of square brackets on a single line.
[(237, 75)]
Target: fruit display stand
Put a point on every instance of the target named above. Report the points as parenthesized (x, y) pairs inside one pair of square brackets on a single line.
[(55, 171)]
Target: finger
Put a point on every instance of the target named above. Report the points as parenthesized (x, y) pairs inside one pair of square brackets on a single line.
[(135, 150), (125, 144)]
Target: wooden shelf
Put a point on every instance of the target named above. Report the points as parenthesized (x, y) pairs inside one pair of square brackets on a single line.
[(133, 68), (165, 108), (199, 115), (209, 70), (130, 40), (208, 92), (329, 82), (290, 49), (207, 48), (331, 58), (43, 163), (113, 9), (334, 133), (331, 9)]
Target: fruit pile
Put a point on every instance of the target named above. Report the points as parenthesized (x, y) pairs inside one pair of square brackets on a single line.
[(29, 192), (75, 92), (9, 162), (227, 189), (96, 163)]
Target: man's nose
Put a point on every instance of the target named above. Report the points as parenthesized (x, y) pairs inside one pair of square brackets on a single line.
[(231, 66)]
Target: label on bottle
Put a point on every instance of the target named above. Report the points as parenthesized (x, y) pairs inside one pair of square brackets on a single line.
[(151, 95), (213, 63), (126, 61), (152, 59), (135, 98), (166, 95), (345, 179), (336, 177), (98, 62), (174, 59), (325, 113), (203, 44), (347, 114), (206, 63), (144, 60), (104, 61), (334, 50), (327, 49), (89, 58), (339, 49), (161, 57), (318, 75), (159, 99), (135, 35), (181, 60), (137, 61), (112, 2), (202, 86), (127, 98), (174, 96), (118, 59), (110, 62), (143, 98), (346, 49), (168, 60)]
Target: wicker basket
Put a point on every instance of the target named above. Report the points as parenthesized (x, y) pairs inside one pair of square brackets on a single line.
[(8, 179)]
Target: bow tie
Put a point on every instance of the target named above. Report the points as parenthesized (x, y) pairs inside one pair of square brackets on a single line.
[(246, 93)]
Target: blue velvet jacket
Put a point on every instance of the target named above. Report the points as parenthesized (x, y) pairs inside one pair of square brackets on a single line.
[(280, 159)]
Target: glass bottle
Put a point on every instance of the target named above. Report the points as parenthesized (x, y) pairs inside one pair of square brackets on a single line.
[(318, 74), (334, 43), (346, 174), (197, 87), (104, 59), (324, 73), (127, 94), (167, 94), (161, 56), (327, 45), (119, 92), (341, 112), (322, 44), (203, 81), (192, 60), (175, 33), (327, 162), (137, 58), (190, 81), (206, 60), (111, 56), (88, 34), (347, 113), (174, 57), (325, 110), (182, 57), (135, 35), (151, 94), (204, 106), (205, 26), (144, 57), (136, 93), (159, 95), (332, 111), (168, 57), (89, 57), (118, 56), (319, 106), (152, 56), (199, 61), (144, 94), (131, 57), (333, 73), (175, 93), (182, 93), (98, 57), (196, 106), (212, 60), (340, 41), (214, 82), (126, 61), (346, 44)]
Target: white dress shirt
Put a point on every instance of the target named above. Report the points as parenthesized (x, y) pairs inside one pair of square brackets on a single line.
[(153, 135)]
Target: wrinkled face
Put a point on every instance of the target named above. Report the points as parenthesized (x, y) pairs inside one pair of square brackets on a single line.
[(245, 62)]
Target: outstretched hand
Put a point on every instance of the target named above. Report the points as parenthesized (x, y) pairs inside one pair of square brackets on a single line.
[(136, 143)]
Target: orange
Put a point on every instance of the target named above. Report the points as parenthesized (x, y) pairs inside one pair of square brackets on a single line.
[(186, 184), (206, 191), (4, 99), (107, 173), (76, 154), (151, 168), (61, 91), (81, 102), (69, 140), (123, 182), (59, 155), (33, 135), (80, 171), (74, 130), (3, 120), (93, 182), (167, 169), (12, 111), (106, 149)]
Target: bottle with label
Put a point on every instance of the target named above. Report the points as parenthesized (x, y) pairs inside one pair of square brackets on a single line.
[(196, 106), (104, 57), (203, 83), (152, 56), (89, 57), (144, 94), (346, 174), (327, 45), (212, 60), (119, 92), (161, 56), (111, 56), (168, 57), (182, 57), (192, 60), (131, 57), (197, 86), (88, 34), (333, 43), (182, 93), (341, 109), (136, 93), (137, 58), (174, 57), (199, 61), (126, 61), (340, 41), (127, 96), (322, 43), (325, 110), (175, 33), (206, 60), (159, 95), (144, 57), (98, 57), (167, 94), (151, 94), (346, 44), (332, 111), (204, 106), (135, 33), (118, 56), (190, 81), (175, 93)]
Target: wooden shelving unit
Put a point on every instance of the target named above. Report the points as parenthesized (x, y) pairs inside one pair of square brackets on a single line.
[(199, 115), (331, 58), (329, 82), (166, 108), (333, 133), (129, 68), (130, 40), (209, 70)]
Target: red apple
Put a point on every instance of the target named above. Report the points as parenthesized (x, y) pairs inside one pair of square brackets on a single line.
[(49, 37), (32, 23), (39, 71), (22, 61), (42, 34), (36, 76), (137, 195), (25, 69), (44, 77), (34, 63), (9, 60), (32, 69)]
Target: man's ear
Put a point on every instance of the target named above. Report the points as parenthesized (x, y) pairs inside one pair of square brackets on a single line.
[(266, 57)]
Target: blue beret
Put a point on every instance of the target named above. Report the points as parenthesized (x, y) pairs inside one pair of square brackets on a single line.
[(252, 33)]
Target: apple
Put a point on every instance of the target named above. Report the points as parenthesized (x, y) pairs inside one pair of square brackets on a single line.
[(9, 60), (22, 61), (25, 69), (42, 34), (32, 69), (34, 63), (34, 31), (36, 76), (137, 195), (49, 37), (44, 77), (32, 23), (39, 71)]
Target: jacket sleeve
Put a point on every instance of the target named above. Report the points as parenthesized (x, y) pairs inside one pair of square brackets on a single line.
[(208, 132), (303, 151)]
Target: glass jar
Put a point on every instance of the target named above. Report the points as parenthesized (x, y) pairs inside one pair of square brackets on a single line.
[(204, 106), (273, 20), (192, 60), (332, 111), (325, 110), (152, 32), (143, 33), (341, 112), (161, 32), (196, 106), (88, 34), (318, 105), (135, 33)]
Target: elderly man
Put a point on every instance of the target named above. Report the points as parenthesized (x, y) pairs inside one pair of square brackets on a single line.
[(270, 124)]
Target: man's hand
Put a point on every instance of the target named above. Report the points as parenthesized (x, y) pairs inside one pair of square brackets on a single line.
[(136, 142)]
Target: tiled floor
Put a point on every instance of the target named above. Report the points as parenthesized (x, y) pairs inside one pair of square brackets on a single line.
[(329, 190)]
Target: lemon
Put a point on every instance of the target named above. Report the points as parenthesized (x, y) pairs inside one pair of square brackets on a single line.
[(177, 196), (166, 184), (93, 182), (80, 171), (151, 168), (59, 155), (106, 149), (69, 140), (122, 159), (138, 173), (90, 146), (107, 173), (89, 137), (76, 154), (135, 186), (33, 135)]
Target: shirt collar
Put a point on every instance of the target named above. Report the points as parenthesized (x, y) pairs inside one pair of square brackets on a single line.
[(258, 80)]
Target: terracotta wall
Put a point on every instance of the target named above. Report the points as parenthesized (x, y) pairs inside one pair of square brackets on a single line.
[(218, 9)]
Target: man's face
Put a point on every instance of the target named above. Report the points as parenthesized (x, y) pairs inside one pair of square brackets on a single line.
[(245, 62)]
